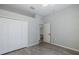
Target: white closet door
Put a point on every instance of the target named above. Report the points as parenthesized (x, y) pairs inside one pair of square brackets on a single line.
[(13, 35), (18, 37), (3, 35)]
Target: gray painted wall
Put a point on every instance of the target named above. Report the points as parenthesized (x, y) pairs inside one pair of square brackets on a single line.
[(65, 27)]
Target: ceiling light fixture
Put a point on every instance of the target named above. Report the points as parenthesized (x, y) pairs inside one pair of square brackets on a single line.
[(44, 5)]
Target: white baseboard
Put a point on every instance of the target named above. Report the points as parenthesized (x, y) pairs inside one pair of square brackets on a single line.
[(66, 47), (32, 44)]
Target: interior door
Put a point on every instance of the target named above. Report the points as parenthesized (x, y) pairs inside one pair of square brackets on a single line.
[(47, 34)]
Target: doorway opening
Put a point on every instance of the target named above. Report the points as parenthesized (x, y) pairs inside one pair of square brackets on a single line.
[(45, 33)]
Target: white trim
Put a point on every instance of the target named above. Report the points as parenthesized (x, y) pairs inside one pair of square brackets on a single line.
[(66, 47), (32, 44)]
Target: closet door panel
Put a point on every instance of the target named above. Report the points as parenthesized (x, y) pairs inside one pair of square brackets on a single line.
[(17, 37), (3, 35), (13, 35)]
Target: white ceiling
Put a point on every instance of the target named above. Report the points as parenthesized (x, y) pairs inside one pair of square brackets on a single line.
[(33, 9)]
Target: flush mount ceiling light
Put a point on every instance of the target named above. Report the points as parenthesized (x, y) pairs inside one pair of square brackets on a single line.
[(44, 5)]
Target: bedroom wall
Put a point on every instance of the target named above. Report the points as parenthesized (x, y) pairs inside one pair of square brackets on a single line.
[(65, 27)]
